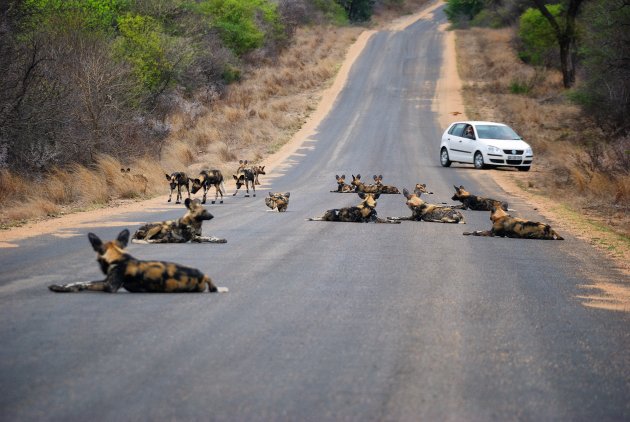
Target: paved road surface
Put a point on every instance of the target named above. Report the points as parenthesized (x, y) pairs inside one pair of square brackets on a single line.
[(325, 321)]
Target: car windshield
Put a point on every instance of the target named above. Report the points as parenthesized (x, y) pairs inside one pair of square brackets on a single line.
[(496, 132)]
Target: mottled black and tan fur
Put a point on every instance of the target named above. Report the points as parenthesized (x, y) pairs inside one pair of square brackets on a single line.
[(362, 187), (182, 230), (206, 179), (423, 211), (123, 270), (342, 186), (378, 181), (365, 212), (504, 225), (244, 176), (258, 170), (474, 202), (176, 181), (278, 200), (137, 178)]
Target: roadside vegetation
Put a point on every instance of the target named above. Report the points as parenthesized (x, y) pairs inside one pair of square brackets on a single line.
[(512, 68), (91, 87)]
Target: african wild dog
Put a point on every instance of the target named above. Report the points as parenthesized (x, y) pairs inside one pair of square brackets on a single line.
[(258, 170), (362, 187), (244, 176), (342, 186), (474, 202), (423, 211), (139, 179), (206, 179), (504, 225), (177, 180), (378, 181), (365, 212), (123, 270), (182, 230), (278, 200)]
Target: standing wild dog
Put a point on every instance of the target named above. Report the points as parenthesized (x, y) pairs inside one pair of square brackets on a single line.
[(378, 181), (182, 230), (365, 212), (278, 200), (423, 211), (123, 270), (362, 187), (342, 186), (474, 202), (244, 176), (504, 225), (139, 179), (177, 180), (258, 170), (206, 179)]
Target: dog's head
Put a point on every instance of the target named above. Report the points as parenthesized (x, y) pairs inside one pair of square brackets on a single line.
[(196, 185), (278, 200), (378, 180), (497, 212), (413, 199), (460, 193), (369, 200), (196, 211), (259, 170), (356, 180), (110, 252)]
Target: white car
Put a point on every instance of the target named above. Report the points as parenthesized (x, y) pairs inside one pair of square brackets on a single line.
[(485, 145)]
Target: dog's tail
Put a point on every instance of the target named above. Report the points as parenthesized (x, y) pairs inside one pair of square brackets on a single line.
[(212, 288), (315, 219)]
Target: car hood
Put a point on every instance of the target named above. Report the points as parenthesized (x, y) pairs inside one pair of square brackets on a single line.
[(506, 144)]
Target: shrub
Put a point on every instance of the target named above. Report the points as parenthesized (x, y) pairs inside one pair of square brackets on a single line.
[(456, 10)]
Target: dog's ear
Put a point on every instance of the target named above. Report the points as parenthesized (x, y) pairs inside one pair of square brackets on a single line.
[(240, 161), (128, 170), (343, 176), (358, 177), (380, 176), (406, 193), (96, 243), (196, 181), (234, 176), (375, 177), (168, 177), (361, 195), (122, 170), (123, 238), (376, 195), (287, 194), (187, 202), (270, 194), (244, 161)]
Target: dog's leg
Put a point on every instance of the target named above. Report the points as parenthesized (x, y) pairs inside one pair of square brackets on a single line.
[(170, 195), (400, 218), (208, 239), (96, 286), (485, 233)]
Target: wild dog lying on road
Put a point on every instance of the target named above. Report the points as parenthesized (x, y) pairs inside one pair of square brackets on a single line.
[(206, 179), (342, 186), (139, 179), (423, 211), (258, 170), (504, 225), (362, 187), (378, 181), (244, 176), (474, 202), (182, 230), (278, 200), (365, 212), (123, 270), (177, 180)]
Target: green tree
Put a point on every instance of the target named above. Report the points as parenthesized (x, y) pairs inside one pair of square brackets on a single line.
[(358, 10), (537, 35), (458, 9), (565, 31)]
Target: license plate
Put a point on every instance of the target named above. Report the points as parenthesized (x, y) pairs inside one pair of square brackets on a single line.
[(514, 157)]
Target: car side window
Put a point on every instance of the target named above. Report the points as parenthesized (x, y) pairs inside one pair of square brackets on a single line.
[(457, 129), (469, 132)]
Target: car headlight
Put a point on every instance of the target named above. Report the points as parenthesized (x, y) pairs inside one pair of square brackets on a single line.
[(528, 151), (494, 150)]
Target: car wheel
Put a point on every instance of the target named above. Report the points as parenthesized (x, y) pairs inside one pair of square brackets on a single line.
[(444, 159), (478, 161), (523, 168)]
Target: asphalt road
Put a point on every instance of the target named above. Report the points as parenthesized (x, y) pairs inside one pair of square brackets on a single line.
[(325, 321)]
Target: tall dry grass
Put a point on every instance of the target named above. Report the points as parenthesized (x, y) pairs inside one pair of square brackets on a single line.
[(574, 161), (253, 119)]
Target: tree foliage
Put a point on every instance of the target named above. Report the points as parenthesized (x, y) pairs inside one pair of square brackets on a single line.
[(539, 44)]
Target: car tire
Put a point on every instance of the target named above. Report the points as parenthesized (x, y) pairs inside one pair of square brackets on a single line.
[(524, 168), (478, 161), (444, 158)]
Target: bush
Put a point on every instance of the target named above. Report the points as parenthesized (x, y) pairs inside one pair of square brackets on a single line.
[(456, 10), (539, 44)]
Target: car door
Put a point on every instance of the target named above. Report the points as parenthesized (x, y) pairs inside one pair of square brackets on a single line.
[(454, 140), (468, 144)]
